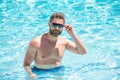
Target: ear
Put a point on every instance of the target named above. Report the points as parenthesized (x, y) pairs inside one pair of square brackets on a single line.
[(49, 24)]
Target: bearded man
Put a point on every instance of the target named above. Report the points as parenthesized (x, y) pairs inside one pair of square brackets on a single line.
[(47, 49)]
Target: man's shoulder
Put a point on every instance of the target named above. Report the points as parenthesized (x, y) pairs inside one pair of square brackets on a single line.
[(63, 39), (35, 42)]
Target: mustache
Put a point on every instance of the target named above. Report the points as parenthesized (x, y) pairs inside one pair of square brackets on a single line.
[(56, 30)]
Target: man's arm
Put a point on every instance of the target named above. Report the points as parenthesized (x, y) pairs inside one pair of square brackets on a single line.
[(29, 57), (78, 46)]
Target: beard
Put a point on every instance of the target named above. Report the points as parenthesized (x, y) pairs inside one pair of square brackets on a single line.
[(55, 32)]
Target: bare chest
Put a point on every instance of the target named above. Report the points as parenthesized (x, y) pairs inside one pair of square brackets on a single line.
[(51, 50)]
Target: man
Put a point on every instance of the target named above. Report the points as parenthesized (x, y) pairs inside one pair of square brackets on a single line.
[(47, 50)]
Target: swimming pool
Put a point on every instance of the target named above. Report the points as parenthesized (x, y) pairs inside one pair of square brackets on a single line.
[(96, 22)]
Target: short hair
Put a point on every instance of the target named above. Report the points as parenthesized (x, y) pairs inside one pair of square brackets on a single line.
[(57, 15)]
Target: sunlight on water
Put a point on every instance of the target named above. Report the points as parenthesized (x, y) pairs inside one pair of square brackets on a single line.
[(96, 23)]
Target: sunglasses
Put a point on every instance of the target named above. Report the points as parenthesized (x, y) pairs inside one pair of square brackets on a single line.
[(59, 25)]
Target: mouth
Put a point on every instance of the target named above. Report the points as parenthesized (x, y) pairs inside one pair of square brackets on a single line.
[(56, 31)]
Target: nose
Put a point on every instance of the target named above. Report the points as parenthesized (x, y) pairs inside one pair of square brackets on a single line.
[(57, 27)]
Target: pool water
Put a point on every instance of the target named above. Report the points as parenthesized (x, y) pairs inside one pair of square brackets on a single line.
[(95, 22)]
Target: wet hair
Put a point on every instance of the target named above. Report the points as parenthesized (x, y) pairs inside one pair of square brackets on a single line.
[(57, 15)]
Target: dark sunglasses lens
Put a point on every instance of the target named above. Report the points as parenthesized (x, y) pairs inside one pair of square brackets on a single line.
[(60, 26), (55, 25)]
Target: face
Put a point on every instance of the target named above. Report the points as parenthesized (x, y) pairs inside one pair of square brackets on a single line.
[(56, 27)]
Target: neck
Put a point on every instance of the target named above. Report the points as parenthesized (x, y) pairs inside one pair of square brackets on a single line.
[(52, 38)]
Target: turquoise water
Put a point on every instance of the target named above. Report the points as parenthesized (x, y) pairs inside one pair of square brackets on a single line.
[(96, 23)]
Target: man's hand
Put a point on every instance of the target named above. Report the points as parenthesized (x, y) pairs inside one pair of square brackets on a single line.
[(33, 76), (78, 47), (69, 29)]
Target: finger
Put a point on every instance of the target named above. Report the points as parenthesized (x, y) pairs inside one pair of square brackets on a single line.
[(66, 25), (70, 28), (34, 75)]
